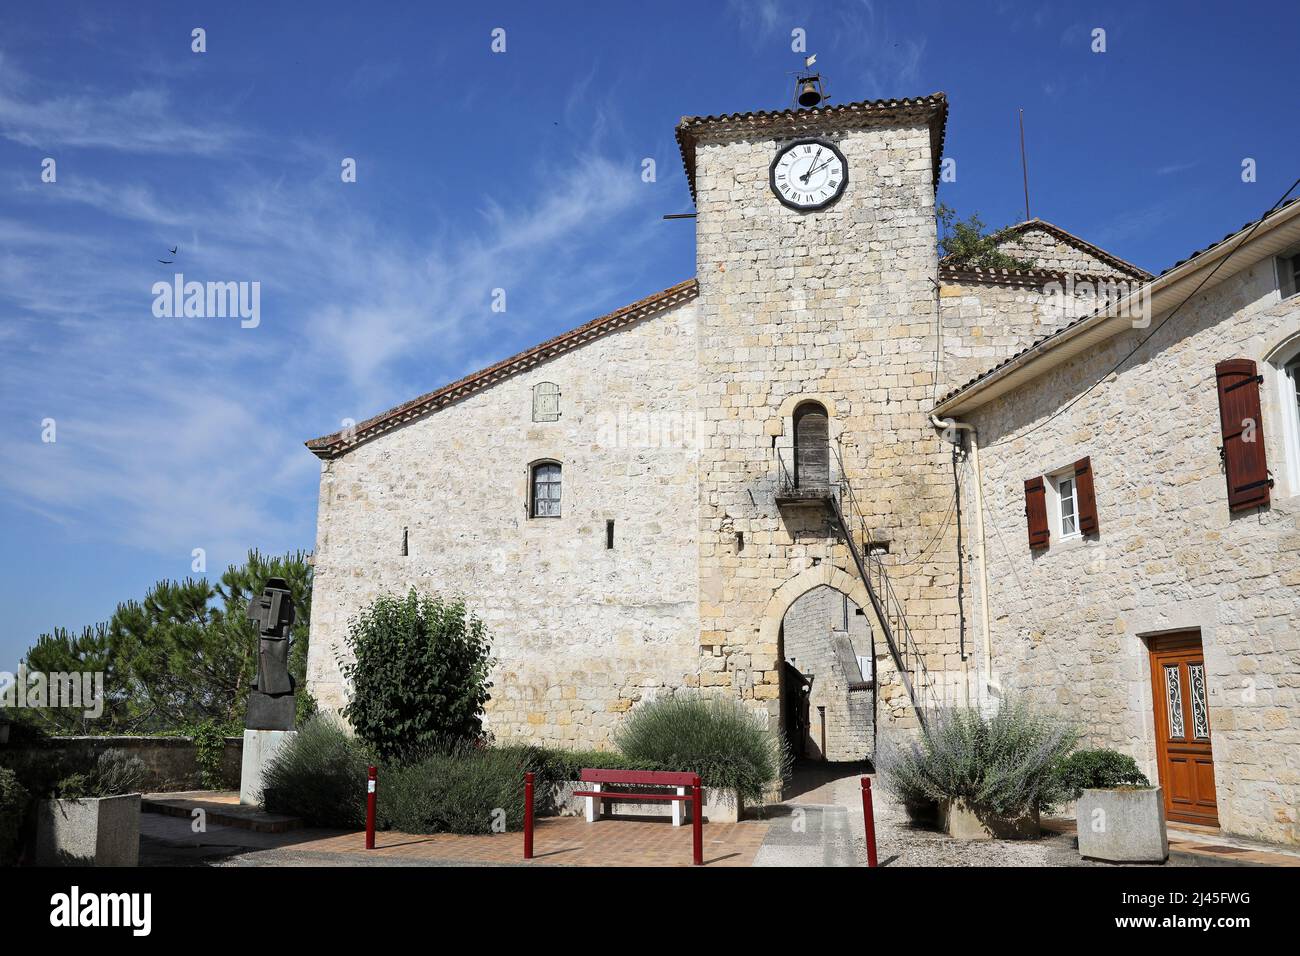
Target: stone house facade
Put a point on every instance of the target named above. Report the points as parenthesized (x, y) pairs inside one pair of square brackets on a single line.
[(635, 507), (1076, 620)]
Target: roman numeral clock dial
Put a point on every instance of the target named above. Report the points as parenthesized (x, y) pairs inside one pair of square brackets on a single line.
[(809, 174)]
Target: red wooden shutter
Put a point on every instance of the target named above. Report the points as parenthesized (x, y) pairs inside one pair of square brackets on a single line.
[(1241, 425), (1036, 512), (1087, 499)]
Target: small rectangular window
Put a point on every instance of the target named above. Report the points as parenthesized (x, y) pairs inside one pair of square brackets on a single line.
[(1067, 503), (609, 535), (1288, 273)]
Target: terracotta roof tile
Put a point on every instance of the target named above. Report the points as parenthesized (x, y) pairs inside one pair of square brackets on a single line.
[(336, 444), (796, 122), (1025, 277)]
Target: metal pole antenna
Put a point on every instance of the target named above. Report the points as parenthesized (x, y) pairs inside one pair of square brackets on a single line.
[(1024, 163)]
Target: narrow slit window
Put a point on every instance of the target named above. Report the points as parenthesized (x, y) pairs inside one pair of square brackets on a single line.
[(609, 535)]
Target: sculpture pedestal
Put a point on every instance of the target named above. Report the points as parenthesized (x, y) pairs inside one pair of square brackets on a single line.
[(259, 747)]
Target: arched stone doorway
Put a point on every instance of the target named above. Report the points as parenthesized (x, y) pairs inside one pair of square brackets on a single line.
[(822, 630), (827, 678)]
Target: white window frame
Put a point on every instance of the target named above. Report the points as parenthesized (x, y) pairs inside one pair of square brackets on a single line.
[(1290, 412), (1056, 503)]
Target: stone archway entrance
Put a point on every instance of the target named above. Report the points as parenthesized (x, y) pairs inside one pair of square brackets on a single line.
[(826, 665)]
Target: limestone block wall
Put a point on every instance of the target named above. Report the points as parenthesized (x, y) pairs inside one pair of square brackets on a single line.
[(1070, 625), (581, 632), (821, 640), (839, 303), (983, 323), (1048, 252)]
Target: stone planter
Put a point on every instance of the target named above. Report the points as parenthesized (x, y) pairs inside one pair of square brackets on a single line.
[(922, 813), (720, 805), (1122, 825), (102, 831), (967, 823)]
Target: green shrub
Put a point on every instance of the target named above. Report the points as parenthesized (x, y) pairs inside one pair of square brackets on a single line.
[(1005, 763), (13, 805), (210, 753), (1097, 770), (320, 775), (458, 787), (715, 737), (419, 674), (557, 766), (115, 773)]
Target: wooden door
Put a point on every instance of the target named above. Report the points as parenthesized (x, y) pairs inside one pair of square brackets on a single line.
[(812, 448), (1182, 712)]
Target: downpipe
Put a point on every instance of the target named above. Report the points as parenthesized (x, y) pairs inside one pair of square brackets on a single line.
[(943, 425)]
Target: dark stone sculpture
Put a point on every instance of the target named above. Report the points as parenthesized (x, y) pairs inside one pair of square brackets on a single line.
[(271, 704)]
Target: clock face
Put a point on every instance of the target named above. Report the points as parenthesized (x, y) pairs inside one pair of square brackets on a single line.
[(809, 174)]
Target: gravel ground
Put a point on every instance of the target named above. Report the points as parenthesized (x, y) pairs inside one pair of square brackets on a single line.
[(823, 827)]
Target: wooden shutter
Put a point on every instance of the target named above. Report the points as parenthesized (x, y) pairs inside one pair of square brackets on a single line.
[(1087, 499), (1245, 463), (1036, 512), (546, 402)]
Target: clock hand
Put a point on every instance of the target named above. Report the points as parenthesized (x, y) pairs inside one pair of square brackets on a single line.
[(805, 176), (811, 171)]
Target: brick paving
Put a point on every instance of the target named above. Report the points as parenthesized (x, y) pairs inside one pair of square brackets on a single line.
[(567, 841), (558, 841)]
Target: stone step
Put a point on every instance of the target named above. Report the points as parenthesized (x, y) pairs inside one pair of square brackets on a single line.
[(220, 807)]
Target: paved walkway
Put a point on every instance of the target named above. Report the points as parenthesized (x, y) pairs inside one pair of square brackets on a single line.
[(820, 824), (557, 841)]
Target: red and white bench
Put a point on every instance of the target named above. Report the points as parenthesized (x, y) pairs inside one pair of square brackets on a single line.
[(600, 779)]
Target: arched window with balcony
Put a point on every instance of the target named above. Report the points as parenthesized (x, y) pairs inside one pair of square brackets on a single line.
[(812, 449)]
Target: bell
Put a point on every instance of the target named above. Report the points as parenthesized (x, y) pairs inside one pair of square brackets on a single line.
[(809, 95)]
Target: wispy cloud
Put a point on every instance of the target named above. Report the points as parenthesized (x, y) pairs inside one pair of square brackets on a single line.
[(138, 121), (183, 433)]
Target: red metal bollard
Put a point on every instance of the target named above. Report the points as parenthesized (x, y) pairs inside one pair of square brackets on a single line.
[(869, 818), (697, 820), (528, 816), (371, 786)]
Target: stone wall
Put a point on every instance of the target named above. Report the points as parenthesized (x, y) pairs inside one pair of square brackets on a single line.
[(985, 322), (822, 640), (581, 632), (839, 304), (170, 762), (1049, 252), (1070, 624)]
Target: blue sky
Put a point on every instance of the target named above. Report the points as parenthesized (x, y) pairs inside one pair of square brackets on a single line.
[(478, 170)]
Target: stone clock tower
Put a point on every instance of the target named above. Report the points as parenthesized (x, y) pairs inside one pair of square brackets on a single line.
[(817, 266)]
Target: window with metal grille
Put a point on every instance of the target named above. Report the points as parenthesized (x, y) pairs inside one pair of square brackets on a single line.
[(546, 402), (545, 490)]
